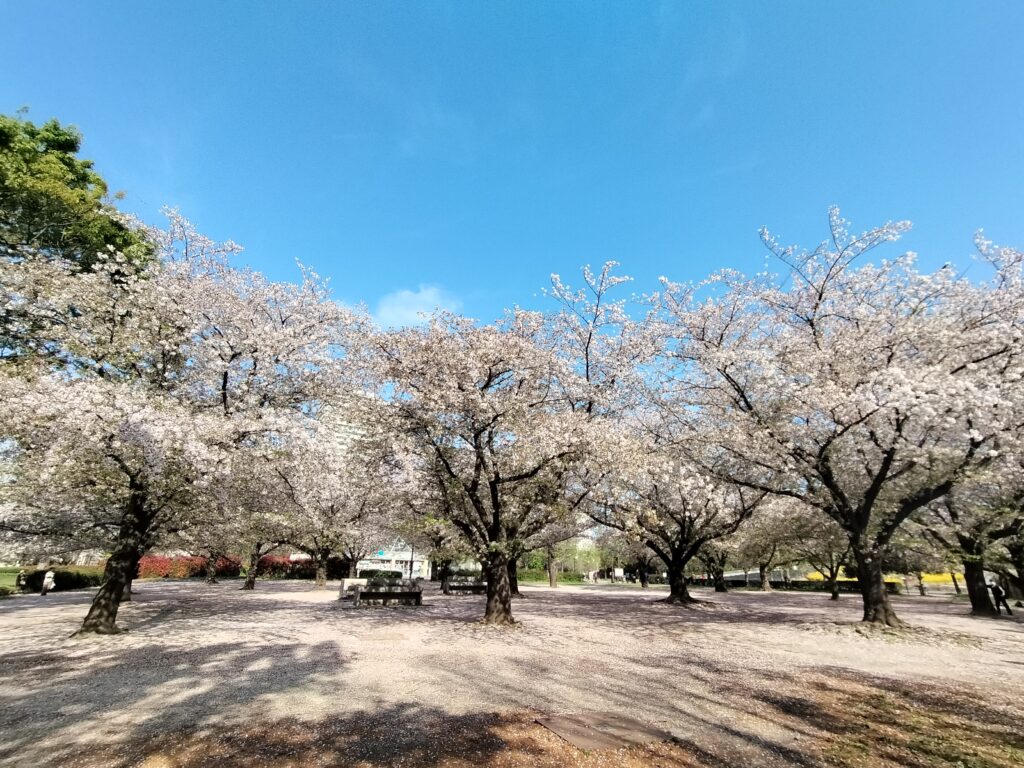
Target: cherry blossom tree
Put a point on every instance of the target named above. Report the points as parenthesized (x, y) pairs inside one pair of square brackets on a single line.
[(974, 520), (866, 391), (819, 541), (662, 499), (714, 556), (481, 417), (336, 487), (165, 373), (119, 464)]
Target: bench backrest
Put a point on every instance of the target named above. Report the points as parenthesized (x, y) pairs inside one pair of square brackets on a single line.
[(388, 589)]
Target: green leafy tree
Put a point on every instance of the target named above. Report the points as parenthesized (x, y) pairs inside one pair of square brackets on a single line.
[(53, 202)]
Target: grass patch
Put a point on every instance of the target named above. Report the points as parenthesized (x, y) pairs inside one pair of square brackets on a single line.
[(886, 724)]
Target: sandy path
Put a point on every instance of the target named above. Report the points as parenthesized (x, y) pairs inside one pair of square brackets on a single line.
[(215, 656)]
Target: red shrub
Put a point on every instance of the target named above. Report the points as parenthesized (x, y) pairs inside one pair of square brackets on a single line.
[(229, 565), (281, 567), (182, 567)]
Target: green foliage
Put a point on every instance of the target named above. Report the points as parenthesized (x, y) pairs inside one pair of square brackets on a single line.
[(53, 202), (65, 578), (374, 573), (538, 574)]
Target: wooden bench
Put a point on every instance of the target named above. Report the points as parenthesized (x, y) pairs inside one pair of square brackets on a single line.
[(463, 587), (386, 593)]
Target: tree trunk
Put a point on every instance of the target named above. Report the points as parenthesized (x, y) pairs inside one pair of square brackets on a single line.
[(513, 577), (321, 573), (133, 569), (956, 584), (877, 608), (715, 563), (677, 591), (446, 576), (833, 583), (499, 596), (977, 590), (120, 568), (211, 568), (552, 568), (1016, 580), (764, 570), (920, 584), (254, 566), (645, 577)]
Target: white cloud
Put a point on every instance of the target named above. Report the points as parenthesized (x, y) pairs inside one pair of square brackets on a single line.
[(406, 307)]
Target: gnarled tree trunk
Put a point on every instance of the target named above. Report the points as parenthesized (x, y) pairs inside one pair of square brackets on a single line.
[(715, 563), (552, 568), (445, 569), (677, 591), (253, 569), (499, 595), (120, 568), (513, 577), (877, 608), (644, 575), (133, 570), (764, 571), (977, 590)]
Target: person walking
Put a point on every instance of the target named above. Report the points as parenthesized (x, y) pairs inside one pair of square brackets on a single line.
[(47, 582), (999, 595)]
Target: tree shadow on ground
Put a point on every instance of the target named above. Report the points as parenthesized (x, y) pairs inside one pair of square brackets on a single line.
[(838, 720), (65, 700), (405, 734), (200, 662)]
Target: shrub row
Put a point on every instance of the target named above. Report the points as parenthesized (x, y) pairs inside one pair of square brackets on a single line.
[(281, 567), (377, 574), (78, 577), (797, 585), (540, 574), (182, 567)]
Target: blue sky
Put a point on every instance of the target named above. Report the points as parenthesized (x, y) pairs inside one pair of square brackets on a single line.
[(461, 152)]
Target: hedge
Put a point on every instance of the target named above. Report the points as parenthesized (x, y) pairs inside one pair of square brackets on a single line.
[(183, 567), (376, 573), (540, 574), (281, 567), (797, 585), (65, 578)]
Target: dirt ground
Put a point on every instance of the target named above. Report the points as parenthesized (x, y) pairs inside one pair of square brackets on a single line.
[(288, 676)]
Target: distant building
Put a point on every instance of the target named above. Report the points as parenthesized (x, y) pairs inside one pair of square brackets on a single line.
[(398, 556)]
